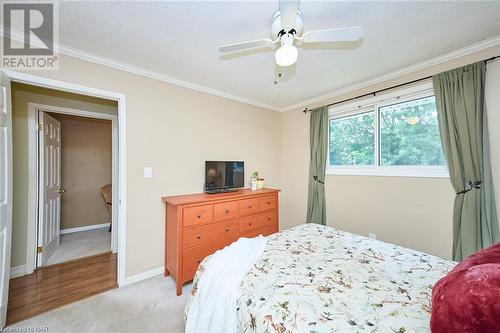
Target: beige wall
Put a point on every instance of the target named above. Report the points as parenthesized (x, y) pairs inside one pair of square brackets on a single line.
[(21, 96), (174, 130), (413, 212), (86, 165)]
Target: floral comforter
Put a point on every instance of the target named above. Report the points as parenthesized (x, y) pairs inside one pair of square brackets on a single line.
[(314, 278)]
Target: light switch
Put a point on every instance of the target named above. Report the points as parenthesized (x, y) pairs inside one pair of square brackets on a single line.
[(148, 172)]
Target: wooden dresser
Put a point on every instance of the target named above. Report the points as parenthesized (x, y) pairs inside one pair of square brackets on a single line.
[(197, 225)]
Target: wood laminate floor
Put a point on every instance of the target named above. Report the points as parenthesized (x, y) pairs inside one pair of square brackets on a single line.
[(53, 286)]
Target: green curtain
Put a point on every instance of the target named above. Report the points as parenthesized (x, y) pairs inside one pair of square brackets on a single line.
[(463, 127), (318, 140)]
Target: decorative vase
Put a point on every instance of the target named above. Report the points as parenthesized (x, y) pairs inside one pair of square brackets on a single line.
[(253, 184)]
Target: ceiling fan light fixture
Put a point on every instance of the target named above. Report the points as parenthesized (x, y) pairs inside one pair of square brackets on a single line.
[(287, 29), (286, 55)]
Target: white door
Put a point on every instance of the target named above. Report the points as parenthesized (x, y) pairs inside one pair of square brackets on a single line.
[(5, 193), (50, 187)]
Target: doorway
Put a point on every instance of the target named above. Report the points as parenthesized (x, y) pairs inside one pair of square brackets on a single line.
[(80, 224), (71, 228), (6, 180)]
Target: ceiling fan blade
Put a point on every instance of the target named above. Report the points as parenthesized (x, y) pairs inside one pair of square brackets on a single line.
[(351, 34), (246, 45), (288, 13)]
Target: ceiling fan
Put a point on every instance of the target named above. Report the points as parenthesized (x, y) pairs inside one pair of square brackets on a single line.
[(286, 32)]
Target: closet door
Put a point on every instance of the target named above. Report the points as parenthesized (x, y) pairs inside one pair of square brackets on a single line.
[(50, 185)]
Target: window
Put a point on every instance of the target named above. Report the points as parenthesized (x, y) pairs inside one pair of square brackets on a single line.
[(395, 134), (352, 140)]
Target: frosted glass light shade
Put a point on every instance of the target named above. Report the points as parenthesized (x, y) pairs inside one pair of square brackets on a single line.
[(286, 55)]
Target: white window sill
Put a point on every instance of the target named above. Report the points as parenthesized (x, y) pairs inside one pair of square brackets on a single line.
[(391, 171)]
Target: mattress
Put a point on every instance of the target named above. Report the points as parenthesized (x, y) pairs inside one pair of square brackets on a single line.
[(314, 278)]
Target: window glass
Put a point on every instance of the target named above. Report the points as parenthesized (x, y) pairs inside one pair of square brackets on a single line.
[(409, 134), (352, 140)]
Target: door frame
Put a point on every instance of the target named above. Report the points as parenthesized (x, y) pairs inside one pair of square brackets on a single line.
[(121, 198), (8, 201), (34, 160)]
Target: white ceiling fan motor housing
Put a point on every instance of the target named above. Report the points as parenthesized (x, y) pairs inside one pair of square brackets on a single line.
[(276, 24)]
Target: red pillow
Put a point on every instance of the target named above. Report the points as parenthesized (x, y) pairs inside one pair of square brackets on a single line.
[(486, 256), (467, 300)]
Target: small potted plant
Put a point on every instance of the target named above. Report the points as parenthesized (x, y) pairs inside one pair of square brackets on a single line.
[(253, 181)]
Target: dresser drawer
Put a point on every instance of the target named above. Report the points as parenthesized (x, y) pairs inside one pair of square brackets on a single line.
[(225, 210), (260, 221), (260, 231), (248, 207), (267, 219), (197, 215), (247, 223), (194, 255), (208, 233), (267, 203), (252, 222), (270, 230)]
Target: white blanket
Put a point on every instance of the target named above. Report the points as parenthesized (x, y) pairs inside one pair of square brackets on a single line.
[(214, 308)]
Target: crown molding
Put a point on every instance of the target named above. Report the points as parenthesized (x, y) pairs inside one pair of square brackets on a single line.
[(112, 63), (76, 53), (453, 55), (108, 62)]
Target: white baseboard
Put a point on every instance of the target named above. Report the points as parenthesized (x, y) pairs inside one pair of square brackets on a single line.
[(86, 228), (142, 276), (17, 271)]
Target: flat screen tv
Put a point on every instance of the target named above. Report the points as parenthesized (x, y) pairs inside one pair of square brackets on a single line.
[(221, 176)]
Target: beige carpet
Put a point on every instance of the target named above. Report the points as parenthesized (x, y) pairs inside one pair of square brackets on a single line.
[(149, 306), (81, 244)]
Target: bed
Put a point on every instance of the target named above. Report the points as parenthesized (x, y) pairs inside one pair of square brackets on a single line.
[(313, 278)]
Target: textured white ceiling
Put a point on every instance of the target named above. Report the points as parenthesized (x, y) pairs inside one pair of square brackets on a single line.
[(180, 39)]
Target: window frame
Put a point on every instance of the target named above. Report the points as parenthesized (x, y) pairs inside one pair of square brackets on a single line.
[(373, 104)]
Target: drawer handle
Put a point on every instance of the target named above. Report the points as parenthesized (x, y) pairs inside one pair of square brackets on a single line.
[(198, 215), (250, 223), (226, 211), (198, 236), (198, 261), (227, 229), (250, 206), (268, 203), (269, 219)]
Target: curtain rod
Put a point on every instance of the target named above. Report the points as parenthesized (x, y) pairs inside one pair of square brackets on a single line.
[(374, 93)]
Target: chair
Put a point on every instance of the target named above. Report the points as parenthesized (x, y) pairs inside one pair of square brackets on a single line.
[(107, 194)]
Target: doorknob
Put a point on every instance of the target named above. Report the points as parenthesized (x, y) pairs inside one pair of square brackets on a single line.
[(61, 190)]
